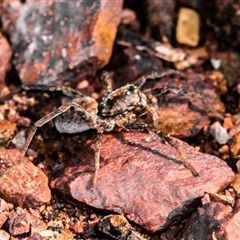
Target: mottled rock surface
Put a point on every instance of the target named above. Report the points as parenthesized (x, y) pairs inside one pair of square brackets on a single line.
[(140, 175), (24, 183), (60, 40), (214, 221), (5, 56), (21, 222)]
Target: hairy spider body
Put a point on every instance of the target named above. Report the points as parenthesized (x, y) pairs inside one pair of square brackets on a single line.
[(80, 118), (120, 107), (122, 100)]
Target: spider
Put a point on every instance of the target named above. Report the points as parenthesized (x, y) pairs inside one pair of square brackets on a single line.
[(121, 107)]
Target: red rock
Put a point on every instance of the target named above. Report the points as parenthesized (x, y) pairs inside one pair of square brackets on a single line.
[(24, 183), (19, 223), (186, 116), (139, 176), (238, 166), (60, 40), (5, 56), (7, 131), (35, 236), (3, 219), (214, 221), (160, 20), (23, 222)]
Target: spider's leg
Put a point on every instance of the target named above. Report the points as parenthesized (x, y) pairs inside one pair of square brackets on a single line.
[(165, 89), (182, 92), (97, 157), (143, 127), (141, 81), (67, 91), (106, 80), (38, 124), (178, 149), (42, 121)]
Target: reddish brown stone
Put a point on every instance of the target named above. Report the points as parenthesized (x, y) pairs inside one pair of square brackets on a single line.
[(19, 223), (22, 222), (3, 219), (160, 19), (140, 175), (35, 236), (7, 130), (214, 221), (185, 116), (238, 166), (24, 183), (235, 139), (5, 56), (60, 40)]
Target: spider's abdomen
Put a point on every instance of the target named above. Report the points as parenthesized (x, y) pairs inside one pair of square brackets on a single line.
[(67, 123)]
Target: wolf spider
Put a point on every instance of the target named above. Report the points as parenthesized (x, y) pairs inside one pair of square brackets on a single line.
[(121, 107)]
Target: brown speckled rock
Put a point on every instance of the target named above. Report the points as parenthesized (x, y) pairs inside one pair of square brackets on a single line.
[(22, 222), (60, 40), (143, 178), (24, 183)]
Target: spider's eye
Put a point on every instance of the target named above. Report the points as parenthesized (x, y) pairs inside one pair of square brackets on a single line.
[(129, 90)]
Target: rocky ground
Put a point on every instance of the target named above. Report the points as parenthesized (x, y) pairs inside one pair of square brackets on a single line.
[(143, 188)]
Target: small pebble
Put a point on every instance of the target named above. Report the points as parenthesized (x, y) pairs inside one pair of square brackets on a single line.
[(46, 233), (224, 149), (19, 139), (4, 235), (148, 139), (219, 133), (216, 63), (83, 84)]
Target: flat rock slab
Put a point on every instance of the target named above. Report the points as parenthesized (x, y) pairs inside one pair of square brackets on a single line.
[(24, 184), (143, 178)]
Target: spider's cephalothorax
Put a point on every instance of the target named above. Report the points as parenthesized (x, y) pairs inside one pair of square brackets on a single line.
[(118, 107)]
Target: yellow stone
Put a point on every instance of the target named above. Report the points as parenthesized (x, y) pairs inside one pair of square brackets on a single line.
[(188, 27)]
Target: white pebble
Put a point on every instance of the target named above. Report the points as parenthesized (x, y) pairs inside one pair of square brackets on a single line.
[(4, 235), (46, 233), (219, 133), (19, 139), (216, 63)]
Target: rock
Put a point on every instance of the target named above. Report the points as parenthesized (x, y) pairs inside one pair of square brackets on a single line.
[(5, 209), (117, 227), (219, 133), (3, 219), (23, 222), (4, 235), (185, 116), (7, 131), (22, 183), (140, 175), (34, 236), (214, 221), (160, 20), (188, 27), (234, 135), (60, 40), (5, 56), (238, 166), (19, 223)]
